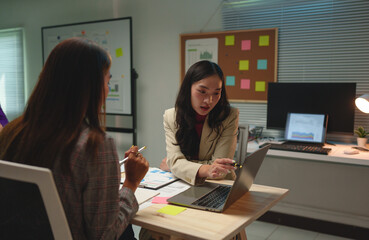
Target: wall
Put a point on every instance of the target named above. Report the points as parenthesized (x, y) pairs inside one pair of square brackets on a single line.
[(156, 27)]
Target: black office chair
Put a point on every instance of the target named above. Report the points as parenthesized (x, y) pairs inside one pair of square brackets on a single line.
[(30, 207)]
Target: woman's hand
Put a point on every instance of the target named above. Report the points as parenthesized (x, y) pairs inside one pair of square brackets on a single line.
[(219, 168), (164, 165), (136, 168)]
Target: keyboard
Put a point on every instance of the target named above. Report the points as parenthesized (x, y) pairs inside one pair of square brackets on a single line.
[(215, 198), (298, 148)]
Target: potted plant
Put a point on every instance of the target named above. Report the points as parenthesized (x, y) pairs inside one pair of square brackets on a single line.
[(361, 133)]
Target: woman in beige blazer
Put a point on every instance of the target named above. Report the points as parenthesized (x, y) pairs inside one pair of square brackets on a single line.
[(201, 131)]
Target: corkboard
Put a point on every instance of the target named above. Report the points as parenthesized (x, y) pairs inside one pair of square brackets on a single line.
[(248, 59)]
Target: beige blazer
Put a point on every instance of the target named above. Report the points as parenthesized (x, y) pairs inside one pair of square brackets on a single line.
[(212, 146)]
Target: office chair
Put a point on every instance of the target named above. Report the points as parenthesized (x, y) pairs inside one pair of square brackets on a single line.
[(242, 141), (18, 182)]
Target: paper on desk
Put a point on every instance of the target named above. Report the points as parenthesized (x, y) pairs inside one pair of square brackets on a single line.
[(142, 194), (168, 191)]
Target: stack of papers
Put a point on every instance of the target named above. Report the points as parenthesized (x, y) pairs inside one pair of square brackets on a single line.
[(156, 178)]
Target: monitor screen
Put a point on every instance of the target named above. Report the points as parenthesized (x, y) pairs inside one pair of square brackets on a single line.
[(306, 127), (337, 100)]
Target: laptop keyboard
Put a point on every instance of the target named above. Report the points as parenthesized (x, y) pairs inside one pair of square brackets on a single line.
[(299, 148), (214, 198)]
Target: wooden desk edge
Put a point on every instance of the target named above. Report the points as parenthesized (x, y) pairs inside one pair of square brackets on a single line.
[(142, 221)]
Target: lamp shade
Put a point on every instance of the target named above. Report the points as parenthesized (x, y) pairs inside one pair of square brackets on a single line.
[(362, 103)]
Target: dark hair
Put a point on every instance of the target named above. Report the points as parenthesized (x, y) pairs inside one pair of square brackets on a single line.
[(69, 93), (186, 135)]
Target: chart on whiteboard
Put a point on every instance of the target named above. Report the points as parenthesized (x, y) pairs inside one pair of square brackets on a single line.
[(117, 44), (201, 49)]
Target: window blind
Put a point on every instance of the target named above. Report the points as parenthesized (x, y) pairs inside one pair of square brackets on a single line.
[(11, 72), (319, 41)]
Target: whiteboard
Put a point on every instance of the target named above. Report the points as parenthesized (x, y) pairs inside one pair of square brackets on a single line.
[(113, 35)]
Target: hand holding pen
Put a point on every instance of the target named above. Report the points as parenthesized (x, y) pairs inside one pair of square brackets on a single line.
[(136, 167)]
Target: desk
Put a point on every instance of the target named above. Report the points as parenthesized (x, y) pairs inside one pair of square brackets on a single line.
[(337, 154), (198, 224), (326, 187)]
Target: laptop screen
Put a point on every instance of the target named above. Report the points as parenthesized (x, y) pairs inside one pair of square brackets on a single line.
[(306, 127)]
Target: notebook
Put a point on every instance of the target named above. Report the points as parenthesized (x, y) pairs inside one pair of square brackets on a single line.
[(306, 128), (242, 184)]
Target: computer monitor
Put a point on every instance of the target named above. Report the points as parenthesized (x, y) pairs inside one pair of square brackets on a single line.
[(306, 127), (337, 100)]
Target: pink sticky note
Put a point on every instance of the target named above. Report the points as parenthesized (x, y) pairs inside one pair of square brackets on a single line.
[(246, 45), (245, 83), (160, 200)]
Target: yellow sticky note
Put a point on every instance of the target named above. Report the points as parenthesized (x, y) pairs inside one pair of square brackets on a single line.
[(264, 40), (171, 210), (229, 40), (259, 86), (244, 65), (119, 52)]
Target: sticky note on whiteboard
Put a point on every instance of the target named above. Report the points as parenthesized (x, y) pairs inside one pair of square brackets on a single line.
[(119, 52)]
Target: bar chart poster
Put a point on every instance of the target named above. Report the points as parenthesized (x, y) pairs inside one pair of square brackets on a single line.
[(115, 37), (248, 59)]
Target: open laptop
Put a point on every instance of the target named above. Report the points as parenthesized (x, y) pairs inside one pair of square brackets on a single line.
[(306, 128), (197, 196)]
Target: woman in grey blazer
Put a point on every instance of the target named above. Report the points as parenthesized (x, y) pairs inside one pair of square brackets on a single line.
[(201, 131)]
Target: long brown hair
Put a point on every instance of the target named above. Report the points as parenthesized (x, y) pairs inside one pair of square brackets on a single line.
[(69, 93), (186, 135)]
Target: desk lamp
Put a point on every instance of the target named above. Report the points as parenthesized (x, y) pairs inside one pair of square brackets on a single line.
[(362, 103)]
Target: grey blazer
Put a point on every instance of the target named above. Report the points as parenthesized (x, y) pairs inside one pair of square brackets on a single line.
[(212, 146)]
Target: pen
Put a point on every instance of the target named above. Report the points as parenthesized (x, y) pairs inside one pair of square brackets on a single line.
[(125, 159), (236, 165)]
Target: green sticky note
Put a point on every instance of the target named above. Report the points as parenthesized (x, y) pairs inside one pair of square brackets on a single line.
[(244, 65), (229, 40), (119, 52), (171, 210), (230, 81), (259, 86), (264, 40), (262, 64)]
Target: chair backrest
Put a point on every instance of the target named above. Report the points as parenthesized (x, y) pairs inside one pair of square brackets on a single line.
[(242, 141), (43, 178)]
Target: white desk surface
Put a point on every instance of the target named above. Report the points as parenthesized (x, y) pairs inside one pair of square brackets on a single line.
[(337, 154), (199, 224)]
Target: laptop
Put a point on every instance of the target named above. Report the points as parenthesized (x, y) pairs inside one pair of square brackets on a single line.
[(306, 128), (199, 196)]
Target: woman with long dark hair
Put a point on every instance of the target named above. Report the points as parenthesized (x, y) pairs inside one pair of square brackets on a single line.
[(62, 128), (201, 131)]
